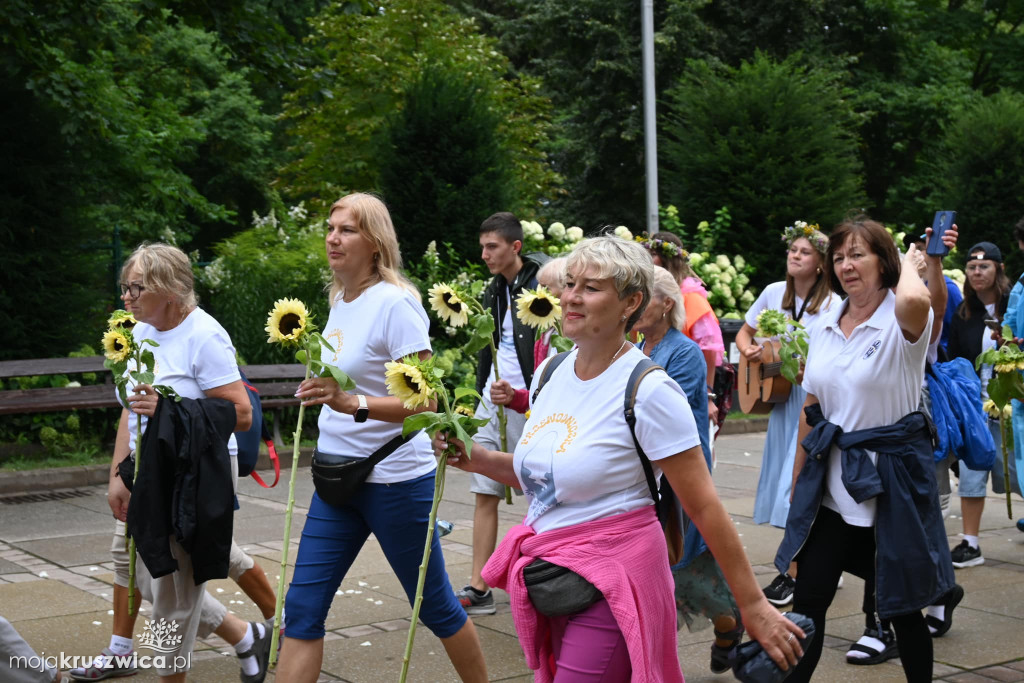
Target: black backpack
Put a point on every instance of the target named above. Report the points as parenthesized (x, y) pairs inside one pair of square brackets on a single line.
[(667, 506)]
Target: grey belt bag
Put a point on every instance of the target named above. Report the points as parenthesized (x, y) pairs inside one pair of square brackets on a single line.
[(556, 591)]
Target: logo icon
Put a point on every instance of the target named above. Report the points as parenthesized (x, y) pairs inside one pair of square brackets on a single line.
[(160, 635)]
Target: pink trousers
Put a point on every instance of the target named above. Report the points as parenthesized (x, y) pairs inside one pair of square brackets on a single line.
[(589, 647)]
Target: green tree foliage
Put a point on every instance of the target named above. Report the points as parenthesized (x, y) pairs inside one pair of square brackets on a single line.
[(369, 60), (443, 169), (114, 113), (280, 256), (769, 140), (978, 170), (587, 54)]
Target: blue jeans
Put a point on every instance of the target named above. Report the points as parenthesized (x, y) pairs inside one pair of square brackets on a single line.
[(397, 515)]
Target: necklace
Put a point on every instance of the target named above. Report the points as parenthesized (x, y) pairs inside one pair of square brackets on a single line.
[(576, 361)]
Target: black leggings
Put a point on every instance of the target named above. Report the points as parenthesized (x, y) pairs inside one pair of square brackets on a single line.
[(833, 547)]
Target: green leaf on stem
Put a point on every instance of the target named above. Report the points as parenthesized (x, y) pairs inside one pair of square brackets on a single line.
[(476, 342), (344, 381), (462, 435), (483, 324), (425, 421), (317, 336), (143, 377), (168, 392), (150, 342), (300, 356), (561, 343), (148, 360), (461, 392)]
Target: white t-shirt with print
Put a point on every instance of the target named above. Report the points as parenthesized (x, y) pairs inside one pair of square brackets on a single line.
[(192, 358), (383, 323), (871, 379), (771, 298), (576, 460)]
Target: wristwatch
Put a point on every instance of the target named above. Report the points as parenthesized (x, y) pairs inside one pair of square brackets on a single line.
[(363, 411)]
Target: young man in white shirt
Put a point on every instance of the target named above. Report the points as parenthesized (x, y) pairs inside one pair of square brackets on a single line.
[(501, 241)]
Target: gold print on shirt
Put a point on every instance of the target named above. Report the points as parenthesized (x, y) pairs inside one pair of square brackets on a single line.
[(337, 339), (555, 418)]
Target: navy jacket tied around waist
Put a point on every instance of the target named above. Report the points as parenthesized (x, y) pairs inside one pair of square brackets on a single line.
[(912, 564)]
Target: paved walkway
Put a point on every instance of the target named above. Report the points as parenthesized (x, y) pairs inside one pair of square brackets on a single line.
[(55, 587)]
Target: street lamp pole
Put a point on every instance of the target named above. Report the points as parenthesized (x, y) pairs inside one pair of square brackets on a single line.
[(650, 121)]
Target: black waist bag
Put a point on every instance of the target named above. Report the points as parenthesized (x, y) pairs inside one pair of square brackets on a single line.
[(557, 591), (336, 482)]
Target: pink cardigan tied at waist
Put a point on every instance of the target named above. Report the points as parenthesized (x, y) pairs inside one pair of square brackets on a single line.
[(625, 557)]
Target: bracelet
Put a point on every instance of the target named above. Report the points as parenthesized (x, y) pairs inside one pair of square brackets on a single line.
[(712, 395)]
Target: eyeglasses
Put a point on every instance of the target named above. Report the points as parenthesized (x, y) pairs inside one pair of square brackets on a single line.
[(134, 289)]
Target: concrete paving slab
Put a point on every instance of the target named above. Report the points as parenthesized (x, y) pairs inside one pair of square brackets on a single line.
[(46, 597), (8, 567), (52, 519), (70, 550), (1005, 599), (381, 659)]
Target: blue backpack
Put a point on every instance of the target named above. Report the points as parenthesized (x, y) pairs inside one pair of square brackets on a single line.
[(249, 440), (961, 424)]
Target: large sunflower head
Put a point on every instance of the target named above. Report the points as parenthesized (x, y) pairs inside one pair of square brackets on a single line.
[(118, 345), (287, 322), (406, 383), (445, 301), (538, 308), (121, 319)]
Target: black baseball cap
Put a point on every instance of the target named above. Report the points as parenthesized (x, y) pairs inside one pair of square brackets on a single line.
[(988, 251)]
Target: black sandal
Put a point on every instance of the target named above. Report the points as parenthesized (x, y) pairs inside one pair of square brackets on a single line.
[(722, 657), (950, 600), (872, 655)]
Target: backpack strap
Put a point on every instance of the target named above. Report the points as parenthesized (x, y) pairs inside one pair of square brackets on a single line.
[(272, 452), (549, 369), (645, 367)]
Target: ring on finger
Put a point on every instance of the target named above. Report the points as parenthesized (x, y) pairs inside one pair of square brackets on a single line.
[(790, 638)]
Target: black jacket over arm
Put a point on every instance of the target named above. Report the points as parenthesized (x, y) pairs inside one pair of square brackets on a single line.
[(185, 487)]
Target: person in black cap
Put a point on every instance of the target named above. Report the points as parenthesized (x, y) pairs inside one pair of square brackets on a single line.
[(986, 293)]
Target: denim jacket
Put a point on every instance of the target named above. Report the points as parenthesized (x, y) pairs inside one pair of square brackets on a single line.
[(913, 568)]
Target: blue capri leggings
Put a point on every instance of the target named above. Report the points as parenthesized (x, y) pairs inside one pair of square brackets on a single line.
[(397, 515)]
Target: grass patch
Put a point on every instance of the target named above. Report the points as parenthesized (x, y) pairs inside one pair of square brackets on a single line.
[(737, 414), (22, 463)]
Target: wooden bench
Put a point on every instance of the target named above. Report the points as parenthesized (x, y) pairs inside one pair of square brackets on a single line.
[(276, 384)]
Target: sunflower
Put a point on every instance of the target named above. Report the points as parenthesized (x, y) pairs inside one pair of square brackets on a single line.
[(538, 308), (118, 345), (121, 319), (406, 383), (446, 303), (286, 323), (464, 410)]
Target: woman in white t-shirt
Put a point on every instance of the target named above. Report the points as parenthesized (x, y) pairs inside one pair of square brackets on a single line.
[(375, 317), (804, 296), (590, 509), (865, 498), (194, 356)]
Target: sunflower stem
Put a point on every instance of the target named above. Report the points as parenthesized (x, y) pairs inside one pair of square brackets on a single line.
[(287, 533), (421, 579), (131, 539), (1007, 444), (502, 420)]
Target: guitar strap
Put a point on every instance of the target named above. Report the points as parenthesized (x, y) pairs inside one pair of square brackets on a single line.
[(803, 308)]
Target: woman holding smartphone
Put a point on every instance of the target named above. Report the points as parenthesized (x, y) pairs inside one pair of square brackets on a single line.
[(986, 293)]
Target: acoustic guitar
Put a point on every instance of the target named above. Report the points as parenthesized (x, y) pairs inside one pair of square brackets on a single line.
[(760, 383)]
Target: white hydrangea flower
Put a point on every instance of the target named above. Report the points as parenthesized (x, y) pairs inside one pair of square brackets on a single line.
[(574, 234), (739, 262), (556, 231), (712, 268), (696, 259), (298, 212), (725, 278), (747, 298), (167, 235), (723, 261), (623, 232)]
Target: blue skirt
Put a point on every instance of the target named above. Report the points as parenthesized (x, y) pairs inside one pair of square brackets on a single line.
[(772, 502)]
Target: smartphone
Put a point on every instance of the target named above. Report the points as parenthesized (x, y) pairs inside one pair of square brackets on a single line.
[(943, 221)]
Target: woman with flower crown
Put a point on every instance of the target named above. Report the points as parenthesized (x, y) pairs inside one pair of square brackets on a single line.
[(375, 318), (804, 295)]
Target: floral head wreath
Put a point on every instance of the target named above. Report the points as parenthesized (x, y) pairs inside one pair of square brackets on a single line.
[(662, 247), (810, 231)]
